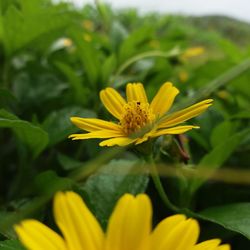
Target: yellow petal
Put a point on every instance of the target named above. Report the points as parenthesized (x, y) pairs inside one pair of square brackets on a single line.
[(136, 92), (145, 137), (164, 227), (92, 124), (183, 235), (141, 140), (185, 114), (120, 141), (164, 99), (97, 134), (130, 224), (79, 227), (174, 131), (36, 236), (211, 245), (223, 247), (112, 101), (207, 245)]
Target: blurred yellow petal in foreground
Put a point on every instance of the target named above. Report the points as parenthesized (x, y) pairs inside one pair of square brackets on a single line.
[(129, 228)]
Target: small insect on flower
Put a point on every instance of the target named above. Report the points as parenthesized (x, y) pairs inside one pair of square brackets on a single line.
[(137, 119)]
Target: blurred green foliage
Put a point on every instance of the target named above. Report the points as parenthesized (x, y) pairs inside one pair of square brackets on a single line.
[(54, 60)]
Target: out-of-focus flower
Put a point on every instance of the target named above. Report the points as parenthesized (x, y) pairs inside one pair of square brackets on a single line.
[(129, 228), (138, 120), (87, 37), (154, 44), (88, 25), (67, 42), (62, 43), (183, 76), (192, 52), (223, 94)]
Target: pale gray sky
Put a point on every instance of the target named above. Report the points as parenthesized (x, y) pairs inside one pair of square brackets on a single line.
[(235, 8)]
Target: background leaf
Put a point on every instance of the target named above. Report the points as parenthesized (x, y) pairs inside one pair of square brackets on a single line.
[(29, 22), (48, 182), (33, 136), (11, 245), (235, 217), (89, 58), (59, 126), (217, 156), (103, 189)]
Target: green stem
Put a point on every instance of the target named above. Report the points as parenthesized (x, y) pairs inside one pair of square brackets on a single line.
[(158, 185)]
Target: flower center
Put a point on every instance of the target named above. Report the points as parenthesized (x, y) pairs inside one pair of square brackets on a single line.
[(136, 116)]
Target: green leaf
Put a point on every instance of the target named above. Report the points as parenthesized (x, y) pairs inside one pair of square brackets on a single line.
[(118, 34), (231, 50), (6, 98), (140, 56), (75, 81), (1, 25), (11, 245), (221, 133), (108, 68), (105, 14), (220, 81), (45, 186), (215, 158), (68, 163), (200, 139), (103, 189), (243, 114), (37, 88), (33, 136), (22, 26), (235, 217), (131, 45), (58, 124), (49, 182), (89, 57)]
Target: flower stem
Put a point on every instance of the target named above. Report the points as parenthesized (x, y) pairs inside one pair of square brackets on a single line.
[(158, 185)]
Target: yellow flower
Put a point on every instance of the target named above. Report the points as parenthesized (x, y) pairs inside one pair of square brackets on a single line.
[(223, 94), (129, 228), (183, 76), (88, 25), (154, 44), (87, 37), (67, 42), (137, 119), (192, 52)]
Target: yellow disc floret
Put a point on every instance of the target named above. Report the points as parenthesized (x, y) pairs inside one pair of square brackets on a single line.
[(136, 116)]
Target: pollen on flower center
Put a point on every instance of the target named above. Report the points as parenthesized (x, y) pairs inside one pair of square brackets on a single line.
[(136, 116)]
